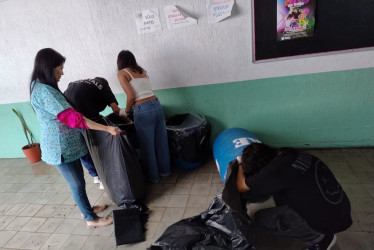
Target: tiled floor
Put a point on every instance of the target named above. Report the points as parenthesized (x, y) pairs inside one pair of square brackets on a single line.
[(37, 210)]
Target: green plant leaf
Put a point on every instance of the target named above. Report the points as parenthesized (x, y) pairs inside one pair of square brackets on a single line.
[(26, 129)]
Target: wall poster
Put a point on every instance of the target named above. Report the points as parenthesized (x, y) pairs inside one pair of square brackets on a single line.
[(218, 10), (295, 19), (147, 21), (176, 18)]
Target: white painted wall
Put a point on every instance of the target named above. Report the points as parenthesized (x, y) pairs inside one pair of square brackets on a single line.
[(90, 33)]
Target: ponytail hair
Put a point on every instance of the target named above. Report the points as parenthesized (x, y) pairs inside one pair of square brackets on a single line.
[(126, 59)]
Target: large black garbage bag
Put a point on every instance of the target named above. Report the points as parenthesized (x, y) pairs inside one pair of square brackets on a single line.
[(224, 225), (188, 136), (117, 166), (129, 128)]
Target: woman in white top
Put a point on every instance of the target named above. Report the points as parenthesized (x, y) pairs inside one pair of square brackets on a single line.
[(148, 117)]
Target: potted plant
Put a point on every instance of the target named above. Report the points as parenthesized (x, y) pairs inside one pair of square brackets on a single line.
[(31, 150)]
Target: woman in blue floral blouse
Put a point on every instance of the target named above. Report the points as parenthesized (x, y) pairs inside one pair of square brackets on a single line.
[(61, 142)]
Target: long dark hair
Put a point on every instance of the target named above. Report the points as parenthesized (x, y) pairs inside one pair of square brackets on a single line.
[(256, 156), (45, 61), (126, 59)]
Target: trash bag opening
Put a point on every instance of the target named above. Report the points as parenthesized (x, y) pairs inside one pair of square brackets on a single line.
[(188, 137)]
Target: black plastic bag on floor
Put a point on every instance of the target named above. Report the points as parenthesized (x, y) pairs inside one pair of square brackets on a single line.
[(117, 166), (224, 225), (129, 226)]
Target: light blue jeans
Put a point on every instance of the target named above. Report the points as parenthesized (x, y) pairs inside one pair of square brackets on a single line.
[(73, 174), (151, 131)]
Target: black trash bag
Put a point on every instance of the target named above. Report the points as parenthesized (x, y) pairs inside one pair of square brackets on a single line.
[(129, 128), (121, 123), (188, 136), (117, 166), (224, 225), (129, 225)]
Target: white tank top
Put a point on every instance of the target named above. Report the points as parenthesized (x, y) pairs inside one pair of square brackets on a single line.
[(142, 87)]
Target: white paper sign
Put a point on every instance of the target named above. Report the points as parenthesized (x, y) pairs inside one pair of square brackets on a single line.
[(218, 9), (175, 18), (147, 21)]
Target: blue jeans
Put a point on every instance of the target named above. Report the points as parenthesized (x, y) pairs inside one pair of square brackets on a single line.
[(150, 128), (73, 174)]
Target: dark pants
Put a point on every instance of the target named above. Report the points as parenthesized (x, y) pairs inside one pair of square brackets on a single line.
[(88, 164), (283, 221)]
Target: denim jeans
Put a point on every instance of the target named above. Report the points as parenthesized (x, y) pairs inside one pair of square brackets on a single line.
[(73, 174), (88, 164), (150, 128)]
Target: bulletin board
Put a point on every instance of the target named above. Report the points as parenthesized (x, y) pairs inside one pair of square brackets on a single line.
[(340, 26)]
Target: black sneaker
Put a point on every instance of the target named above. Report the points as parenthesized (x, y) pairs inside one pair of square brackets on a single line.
[(326, 243)]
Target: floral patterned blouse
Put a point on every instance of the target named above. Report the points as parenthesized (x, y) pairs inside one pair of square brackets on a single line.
[(59, 143)]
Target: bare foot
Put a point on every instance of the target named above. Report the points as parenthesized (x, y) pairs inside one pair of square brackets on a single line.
[(98, 209), (100, 222)]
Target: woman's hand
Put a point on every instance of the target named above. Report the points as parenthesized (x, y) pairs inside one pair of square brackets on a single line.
[(114, 130), (97, 126)]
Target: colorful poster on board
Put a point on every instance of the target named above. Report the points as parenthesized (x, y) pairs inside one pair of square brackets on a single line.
[(175, 18), (147, 21), (295, 19)]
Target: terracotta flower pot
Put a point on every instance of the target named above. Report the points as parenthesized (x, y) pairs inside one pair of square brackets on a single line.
[(33, 154)]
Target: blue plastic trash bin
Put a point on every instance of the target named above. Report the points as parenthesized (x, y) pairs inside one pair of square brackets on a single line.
[(228, 145)]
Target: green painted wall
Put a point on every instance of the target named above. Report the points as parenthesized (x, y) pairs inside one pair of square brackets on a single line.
[(333, 109)]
